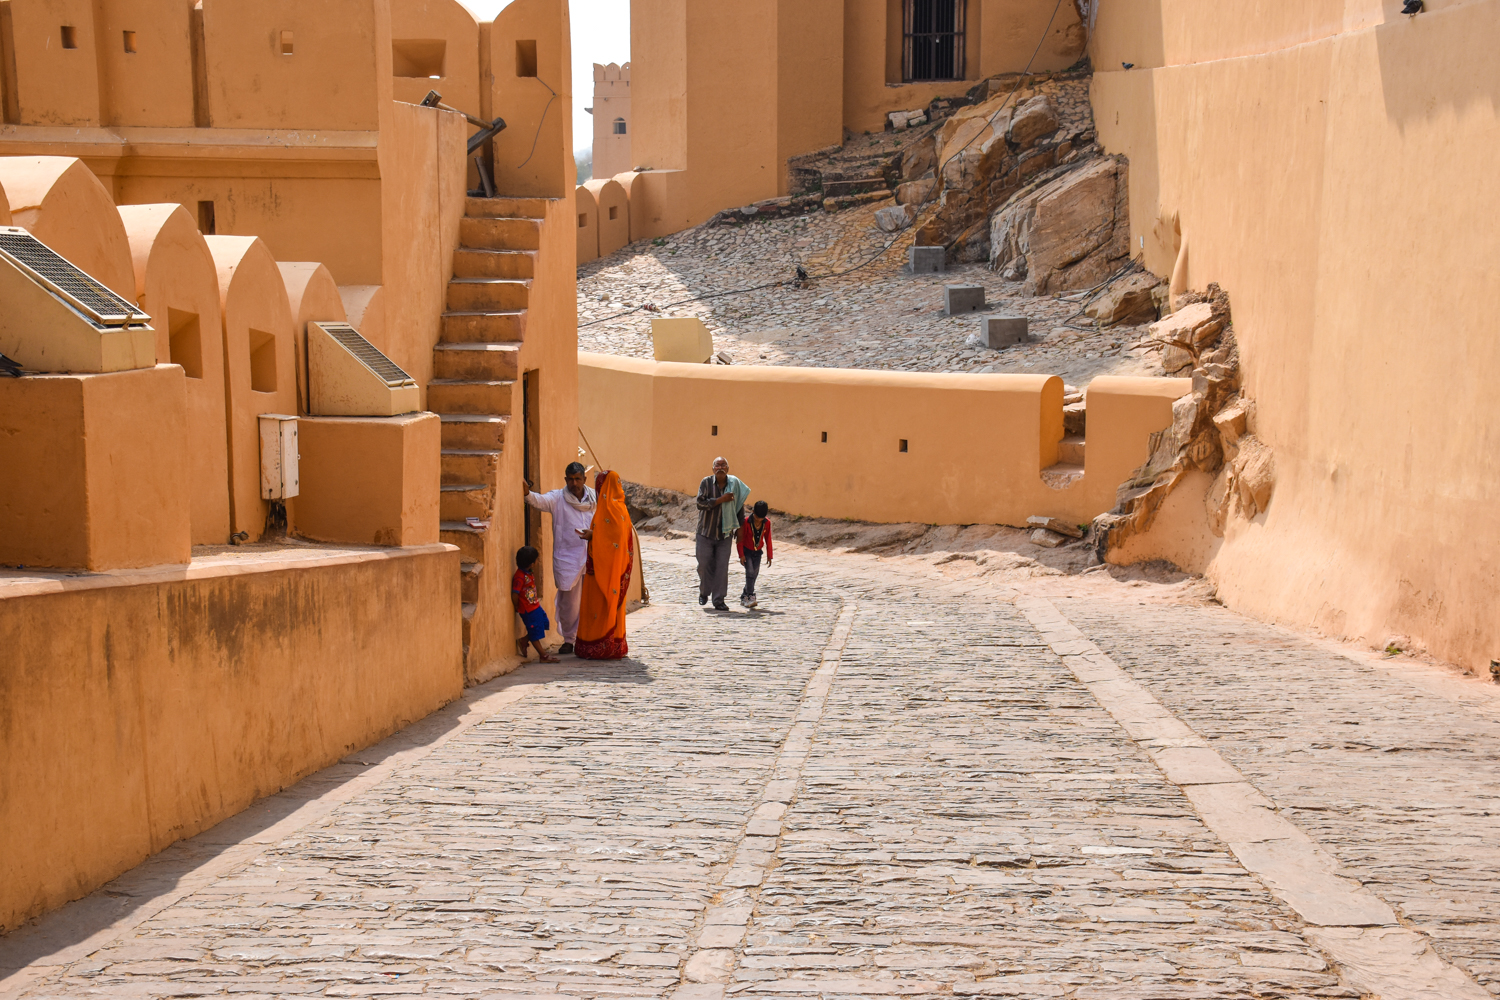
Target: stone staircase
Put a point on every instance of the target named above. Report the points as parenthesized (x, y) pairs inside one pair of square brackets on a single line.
[(1070, 450), (475, 386)]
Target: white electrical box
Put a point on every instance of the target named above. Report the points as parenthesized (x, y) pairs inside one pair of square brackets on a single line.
[(278, 456)]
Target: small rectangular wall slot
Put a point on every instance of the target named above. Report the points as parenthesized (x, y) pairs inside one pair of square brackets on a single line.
[(825, 437), (262, 361), (285, 42), (715, 431), (206, 222), (186, 342), (69, 37), (903, 445), (526, 57), (583, 220), (200, 66), (129, 41), (9, 103), (614, 212), (419, 58)]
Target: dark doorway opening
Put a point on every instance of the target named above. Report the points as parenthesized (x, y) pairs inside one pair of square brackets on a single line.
[(933, 42), (531, 460)]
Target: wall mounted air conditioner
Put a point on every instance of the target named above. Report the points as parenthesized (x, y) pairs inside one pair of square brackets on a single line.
[(347, 376), (54, 317)]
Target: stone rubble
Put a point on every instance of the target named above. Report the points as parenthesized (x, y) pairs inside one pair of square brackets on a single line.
[(879, 316)]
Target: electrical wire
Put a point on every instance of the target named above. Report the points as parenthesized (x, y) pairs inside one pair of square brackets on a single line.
[(938, 173), (540, 122)]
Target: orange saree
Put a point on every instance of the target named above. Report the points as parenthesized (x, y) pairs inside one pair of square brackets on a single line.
[(606, 578)]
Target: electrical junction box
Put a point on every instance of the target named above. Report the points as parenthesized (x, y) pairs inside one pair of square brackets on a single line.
[(278, 456), (347, 376), (54, 317)]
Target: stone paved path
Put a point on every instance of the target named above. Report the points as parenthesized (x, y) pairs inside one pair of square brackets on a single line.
[(878, 786)]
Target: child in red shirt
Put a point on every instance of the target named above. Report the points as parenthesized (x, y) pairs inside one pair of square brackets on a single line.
[(528, 604), (754, 538)]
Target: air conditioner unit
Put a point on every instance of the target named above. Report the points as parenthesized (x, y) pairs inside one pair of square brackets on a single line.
[(54, 317), (347, 376)]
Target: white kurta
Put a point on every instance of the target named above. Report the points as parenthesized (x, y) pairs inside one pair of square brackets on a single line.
[(569, 552)]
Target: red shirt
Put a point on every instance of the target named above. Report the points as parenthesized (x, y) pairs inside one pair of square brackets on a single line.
[(746, 538), (523, 586)]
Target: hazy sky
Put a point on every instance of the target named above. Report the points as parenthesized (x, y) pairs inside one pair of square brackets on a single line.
[(601, 34)]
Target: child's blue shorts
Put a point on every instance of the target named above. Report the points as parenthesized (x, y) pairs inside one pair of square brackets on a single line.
[(536, 624)]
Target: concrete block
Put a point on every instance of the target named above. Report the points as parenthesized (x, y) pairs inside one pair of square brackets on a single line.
[(962, 299), (1003, 331), (928, 260), (683, 339)]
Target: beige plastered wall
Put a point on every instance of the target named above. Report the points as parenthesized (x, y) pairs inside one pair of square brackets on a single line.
[(723, 95), (1002, 36), (284, 146), (1329, 163), (422, 192), (388, 465), (96, 475), (60, 202), (976, 444), (531, 87), (229, 683), (415, 26), (177, 285), (257, 324)]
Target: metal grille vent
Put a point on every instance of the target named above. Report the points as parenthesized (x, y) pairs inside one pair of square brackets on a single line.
[(102, 307), (368, 355)]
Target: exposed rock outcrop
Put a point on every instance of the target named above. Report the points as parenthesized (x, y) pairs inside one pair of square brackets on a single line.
[(1071, 232), (1212, 430), (984, 154)]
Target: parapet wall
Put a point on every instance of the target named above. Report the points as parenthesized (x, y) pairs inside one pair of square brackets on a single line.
[(140, 708), (874, 446), (1327, 164)]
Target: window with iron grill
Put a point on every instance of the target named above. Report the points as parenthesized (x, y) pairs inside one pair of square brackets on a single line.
[(933, 43)]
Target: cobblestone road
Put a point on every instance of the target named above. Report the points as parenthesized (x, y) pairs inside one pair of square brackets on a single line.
[(876, 786)]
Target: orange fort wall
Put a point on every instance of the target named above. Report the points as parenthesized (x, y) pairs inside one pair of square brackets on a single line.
[(1328, 164)]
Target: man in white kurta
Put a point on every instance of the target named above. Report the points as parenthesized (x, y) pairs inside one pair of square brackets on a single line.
[(572, 510)]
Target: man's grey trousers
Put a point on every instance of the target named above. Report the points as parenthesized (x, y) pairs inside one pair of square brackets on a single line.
[(713, 567)]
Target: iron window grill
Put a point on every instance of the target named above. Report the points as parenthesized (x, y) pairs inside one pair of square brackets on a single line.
[(933, 40)]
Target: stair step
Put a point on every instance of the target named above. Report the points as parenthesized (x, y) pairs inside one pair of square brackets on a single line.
[(470, 573), (506, 208), (488, 294), (483, 327), (480, 432), (853, 185), (470, 541), (500, 234), (486, 362), (476, 263), (460, 500), (1062, 475), (450, 395), (1070, 450), (462, 465), (467, 609)]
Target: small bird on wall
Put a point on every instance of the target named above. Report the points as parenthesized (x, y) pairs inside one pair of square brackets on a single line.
[(1412, 7), (1128, 65)]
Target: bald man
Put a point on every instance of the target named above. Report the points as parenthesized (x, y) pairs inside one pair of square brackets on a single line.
[(721, 508)]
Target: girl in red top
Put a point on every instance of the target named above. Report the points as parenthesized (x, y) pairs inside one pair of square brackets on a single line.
[(754, 538)]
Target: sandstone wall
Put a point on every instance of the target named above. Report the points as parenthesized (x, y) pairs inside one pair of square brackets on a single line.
[(874, 446), (1328, 164), (138, 709)]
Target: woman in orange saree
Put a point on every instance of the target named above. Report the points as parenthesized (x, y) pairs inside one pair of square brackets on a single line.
[(606, 578)]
